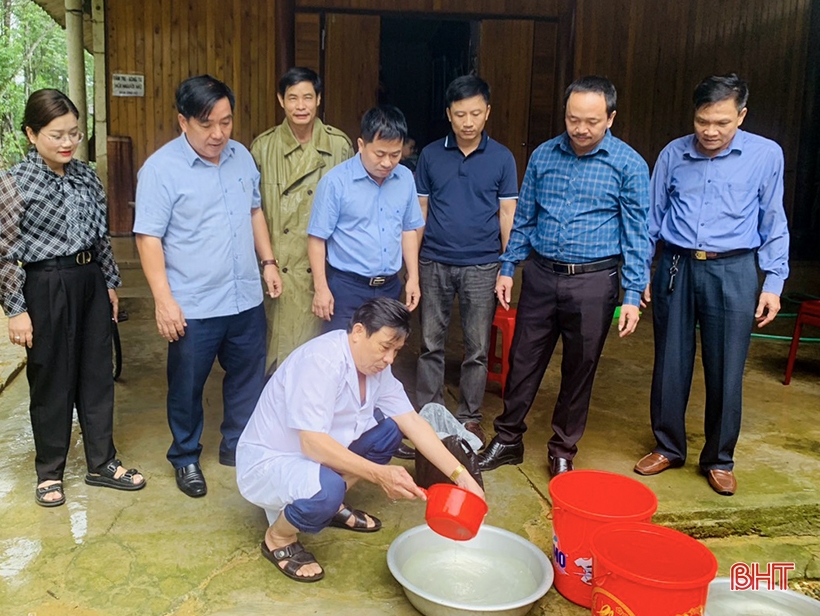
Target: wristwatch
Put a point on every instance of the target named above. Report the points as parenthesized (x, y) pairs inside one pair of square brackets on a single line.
[(273, 262)]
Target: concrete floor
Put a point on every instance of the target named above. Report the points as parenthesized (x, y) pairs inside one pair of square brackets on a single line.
[(157, 552)]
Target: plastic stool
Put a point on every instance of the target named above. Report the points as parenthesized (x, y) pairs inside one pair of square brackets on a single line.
[(808, 314), (503, 321)]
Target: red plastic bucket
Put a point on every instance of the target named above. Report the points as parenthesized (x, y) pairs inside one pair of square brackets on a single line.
[(648, 570), (583, 501), (454, 512)]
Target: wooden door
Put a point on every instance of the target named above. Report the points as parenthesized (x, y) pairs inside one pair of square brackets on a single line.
[(351, 69), (505, 62)]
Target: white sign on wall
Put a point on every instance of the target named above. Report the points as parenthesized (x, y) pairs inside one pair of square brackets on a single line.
[(127, 85)]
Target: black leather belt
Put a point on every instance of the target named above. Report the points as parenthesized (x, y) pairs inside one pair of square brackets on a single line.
[(84, 257), (705, 255), (375, 281), (570, 269)]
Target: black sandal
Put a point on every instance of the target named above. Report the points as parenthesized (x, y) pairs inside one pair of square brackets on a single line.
[(39, 495), (359, 520), (297, 557), (107, 477)]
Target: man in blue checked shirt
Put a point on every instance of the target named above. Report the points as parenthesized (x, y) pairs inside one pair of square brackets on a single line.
[(582, 207), (717, 199)]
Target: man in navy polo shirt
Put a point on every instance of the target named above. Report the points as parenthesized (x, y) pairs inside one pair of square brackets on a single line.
[(467, 187)]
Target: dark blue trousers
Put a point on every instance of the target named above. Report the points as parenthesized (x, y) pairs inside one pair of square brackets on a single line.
[(720, 296), (349, 292), (238, 341), (310, 515)]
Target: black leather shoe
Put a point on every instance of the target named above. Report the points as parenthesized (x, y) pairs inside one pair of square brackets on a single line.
[(405, 452), (559, 466), (191, 480), (497, 454)]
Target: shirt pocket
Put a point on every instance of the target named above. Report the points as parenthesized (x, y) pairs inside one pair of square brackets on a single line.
[(552, 185), (736, 199)]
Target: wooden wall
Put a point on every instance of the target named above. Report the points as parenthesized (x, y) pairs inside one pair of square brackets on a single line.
[(656, 51), (508, 9), (170, 40)]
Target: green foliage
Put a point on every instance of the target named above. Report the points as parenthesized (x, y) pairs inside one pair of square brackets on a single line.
[(32, 56)]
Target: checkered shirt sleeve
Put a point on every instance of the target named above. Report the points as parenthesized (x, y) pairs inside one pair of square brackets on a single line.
[(51, 216)]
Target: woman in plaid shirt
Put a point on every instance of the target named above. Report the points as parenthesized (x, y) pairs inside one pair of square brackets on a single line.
[(57, 281)]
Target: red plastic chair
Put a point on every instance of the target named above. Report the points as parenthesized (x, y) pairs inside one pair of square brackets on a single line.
[(809, 314), (504, 321)]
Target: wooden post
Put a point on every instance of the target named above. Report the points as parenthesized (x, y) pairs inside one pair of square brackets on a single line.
[(100, 90), (284, 41), (76, 68)]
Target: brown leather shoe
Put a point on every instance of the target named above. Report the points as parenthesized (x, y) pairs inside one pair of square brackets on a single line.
[(722, 482), (475, 428), (654, 463)]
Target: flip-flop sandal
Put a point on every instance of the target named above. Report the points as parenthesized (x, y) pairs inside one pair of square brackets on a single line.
[(39, 495), (107, 478), (359, 520), (297, 557)]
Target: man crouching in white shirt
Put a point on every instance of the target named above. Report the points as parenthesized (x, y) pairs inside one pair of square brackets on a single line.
[(333, 414)]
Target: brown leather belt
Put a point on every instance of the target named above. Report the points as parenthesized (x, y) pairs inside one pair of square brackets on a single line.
[(84, 257), (570, 269), (705, 255)]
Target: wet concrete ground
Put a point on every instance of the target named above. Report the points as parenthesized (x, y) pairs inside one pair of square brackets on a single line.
[(158, 552)]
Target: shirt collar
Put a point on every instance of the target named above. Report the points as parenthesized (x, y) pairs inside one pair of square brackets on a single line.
[(191, 156), (319, 139), (72, 168), (606, 143), (450, 142), (360, 173), (351, 373), (690, 149)]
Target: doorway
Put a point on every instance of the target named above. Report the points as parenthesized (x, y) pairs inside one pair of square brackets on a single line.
[(417, 59)]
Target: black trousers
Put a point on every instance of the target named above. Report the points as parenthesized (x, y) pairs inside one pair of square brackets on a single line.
[(720, 296), (69, 364), (577, 308)]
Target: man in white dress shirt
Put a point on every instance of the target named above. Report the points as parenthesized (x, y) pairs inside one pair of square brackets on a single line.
[(333, 414)]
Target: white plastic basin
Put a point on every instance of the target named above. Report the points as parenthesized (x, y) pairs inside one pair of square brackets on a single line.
[(510, 548)]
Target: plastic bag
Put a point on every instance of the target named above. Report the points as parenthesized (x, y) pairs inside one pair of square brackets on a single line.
[(445, 424), (456, 439)]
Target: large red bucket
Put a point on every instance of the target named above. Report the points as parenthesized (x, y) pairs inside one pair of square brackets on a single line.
[(582, 501), (648, 570)]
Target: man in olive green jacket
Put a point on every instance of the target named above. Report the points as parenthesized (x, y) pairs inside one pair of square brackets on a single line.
[(292, 158)]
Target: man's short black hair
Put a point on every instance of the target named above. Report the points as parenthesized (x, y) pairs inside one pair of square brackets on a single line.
[(298, 74), (598, 85), (719, 88), (382, 312), (384, 122), (466, 86), (196, 96)]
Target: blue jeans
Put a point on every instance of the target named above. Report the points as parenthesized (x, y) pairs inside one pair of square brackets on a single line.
[(238, 341), (475, 287)]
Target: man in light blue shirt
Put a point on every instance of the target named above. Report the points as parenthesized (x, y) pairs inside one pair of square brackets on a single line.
[(198, 225), (717, 200), (363, 222)]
